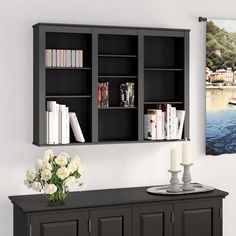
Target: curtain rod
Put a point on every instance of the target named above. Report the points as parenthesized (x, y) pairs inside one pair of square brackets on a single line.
[(202, 19)]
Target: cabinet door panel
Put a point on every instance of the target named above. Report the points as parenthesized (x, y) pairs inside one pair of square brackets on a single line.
[(198, 218), (152, 220), (74, 223), (111, 222)]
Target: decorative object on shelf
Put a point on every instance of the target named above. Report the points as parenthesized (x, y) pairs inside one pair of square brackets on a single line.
[(163, 190), (127, 95), (103, 94), (220, 86), (174, 187), (55, 175)]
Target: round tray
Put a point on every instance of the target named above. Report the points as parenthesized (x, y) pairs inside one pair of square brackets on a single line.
[(162, 190)]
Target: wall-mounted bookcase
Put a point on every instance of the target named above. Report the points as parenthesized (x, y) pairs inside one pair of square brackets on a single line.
[(155, 60)]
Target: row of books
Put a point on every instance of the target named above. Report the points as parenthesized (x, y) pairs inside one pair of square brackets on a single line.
[(58, 121), (63, 58), (165, 122)]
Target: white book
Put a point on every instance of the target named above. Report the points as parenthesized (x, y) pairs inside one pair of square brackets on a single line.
[(54, 58), (63, 124), (64, 58), (81, 58), (77, 58), (168, 107), (58, 58), (47, 127), (48, 57), (53, 107), (67, 125), (150, 127), (159, 120), (61, 58), (73, 59), (163, 126), (181, 117), (172, 123), (68, 54), (50, 127), (76, 128)]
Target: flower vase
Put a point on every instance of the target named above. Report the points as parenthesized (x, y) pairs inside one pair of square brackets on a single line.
[(57, 196)]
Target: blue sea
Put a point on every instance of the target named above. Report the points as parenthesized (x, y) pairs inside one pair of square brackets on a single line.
[(220, 122)]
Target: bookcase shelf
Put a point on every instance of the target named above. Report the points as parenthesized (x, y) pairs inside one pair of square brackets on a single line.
[(155, 60)]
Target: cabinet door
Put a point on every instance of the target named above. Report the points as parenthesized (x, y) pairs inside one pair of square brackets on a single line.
[(201, 218), (152, 220), (111, 222), (60, 224)]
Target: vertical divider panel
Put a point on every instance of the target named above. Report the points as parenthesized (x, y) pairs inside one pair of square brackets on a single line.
[(94, 85), (140, 84), (186, 85)]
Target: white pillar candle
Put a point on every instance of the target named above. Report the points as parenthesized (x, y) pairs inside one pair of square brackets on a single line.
[(185, 153), (173, 160)]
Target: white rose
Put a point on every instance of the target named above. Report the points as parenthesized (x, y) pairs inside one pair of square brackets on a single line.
[(62, 159), (30, 175), (39, 164), (70, 181), (48, 155), (46, 175), (27, 184), (63, 172), (47, 166), (81, 169), (50, 188), (72, 166), (36, 186)]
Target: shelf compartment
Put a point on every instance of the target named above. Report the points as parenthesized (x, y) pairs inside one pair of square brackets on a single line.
[(163, 52), (68, 82), (117, 66), (82, 108), (72, 41), (118, 125), (114, 89), (117, 44), (163, 86), (118, 55)]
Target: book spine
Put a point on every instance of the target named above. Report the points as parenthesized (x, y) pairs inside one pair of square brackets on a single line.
[(48, 57), (54, 58), (81, 58), (159, 120), (172, 123), (50, 127), (47, 127), (58, 58), (168, 106), (77, 61), (99, 95), (67, 125), (181, 117), (73, 58), (76, 127)]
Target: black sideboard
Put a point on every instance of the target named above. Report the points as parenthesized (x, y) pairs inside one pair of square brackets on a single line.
[(120, 212)]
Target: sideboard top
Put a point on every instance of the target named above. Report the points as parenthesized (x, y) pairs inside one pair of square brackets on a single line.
[(101, 198)]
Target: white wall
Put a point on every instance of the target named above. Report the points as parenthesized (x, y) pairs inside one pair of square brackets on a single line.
[(108, 166)]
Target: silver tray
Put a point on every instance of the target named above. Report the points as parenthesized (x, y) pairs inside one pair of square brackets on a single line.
[(162, 189)]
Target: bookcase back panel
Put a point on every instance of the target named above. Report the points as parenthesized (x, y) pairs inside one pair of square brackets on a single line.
[(163, 52), (160, 86), (72, 41), (68, 82), (117, 125), (82, 108), (117, 66), (117, 44)]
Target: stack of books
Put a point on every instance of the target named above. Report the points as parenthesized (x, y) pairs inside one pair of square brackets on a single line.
[(63, 58), (165, 122), (103, 94), (58, 121)]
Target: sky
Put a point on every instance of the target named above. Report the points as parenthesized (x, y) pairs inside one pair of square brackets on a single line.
[(228, 25)]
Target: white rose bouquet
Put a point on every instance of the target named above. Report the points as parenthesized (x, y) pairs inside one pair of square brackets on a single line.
[(54, 175)]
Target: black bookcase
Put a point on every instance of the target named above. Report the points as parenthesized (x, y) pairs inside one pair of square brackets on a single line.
[(155, 60)]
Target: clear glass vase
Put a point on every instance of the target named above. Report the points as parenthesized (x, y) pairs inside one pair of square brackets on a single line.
[(60, 195)]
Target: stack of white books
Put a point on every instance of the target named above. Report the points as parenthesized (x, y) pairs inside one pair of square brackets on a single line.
[(58, 121), (63, 58), (164, 123)]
